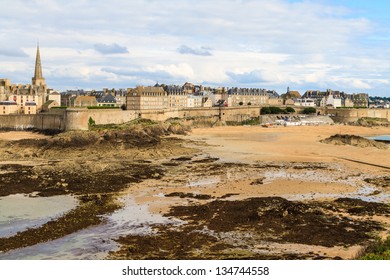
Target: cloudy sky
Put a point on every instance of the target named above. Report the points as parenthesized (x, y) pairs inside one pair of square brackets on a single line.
[(318, 44)]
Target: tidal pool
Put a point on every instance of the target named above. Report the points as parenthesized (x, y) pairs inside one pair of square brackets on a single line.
[(95, 242), (19, 212)]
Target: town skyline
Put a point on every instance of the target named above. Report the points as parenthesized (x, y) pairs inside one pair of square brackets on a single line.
[(337, 45)]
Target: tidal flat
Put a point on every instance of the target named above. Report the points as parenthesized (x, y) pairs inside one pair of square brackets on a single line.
[(144, 192)]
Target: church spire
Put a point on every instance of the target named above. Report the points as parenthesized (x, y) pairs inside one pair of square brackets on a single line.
[(38, 78)]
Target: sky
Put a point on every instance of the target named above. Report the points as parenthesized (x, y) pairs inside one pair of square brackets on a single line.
[(305, 45)]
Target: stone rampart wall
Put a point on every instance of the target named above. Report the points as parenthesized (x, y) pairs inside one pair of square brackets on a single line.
[(77, 119), (24, 122), (351, 115)]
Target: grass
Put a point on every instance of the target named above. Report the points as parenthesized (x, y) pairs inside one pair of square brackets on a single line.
[(102, 107), (253, 121), (380, 250), (133, 123), (59, 107)]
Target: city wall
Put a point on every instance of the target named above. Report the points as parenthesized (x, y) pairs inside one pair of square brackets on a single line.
[(24, 122), (78, 118), (223, 113), (351, 115)]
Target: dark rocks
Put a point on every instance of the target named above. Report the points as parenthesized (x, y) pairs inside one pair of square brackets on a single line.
[(383, 182), (189, 195)]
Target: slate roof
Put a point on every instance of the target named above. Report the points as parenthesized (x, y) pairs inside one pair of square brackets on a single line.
[(107, 99)]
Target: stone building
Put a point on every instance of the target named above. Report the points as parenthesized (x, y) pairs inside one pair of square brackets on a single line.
[(107, 100), (177, 97), (247, 96), (147, 98), (54, 95), (83, 101), (360, 100), (8, 107), (21, 94), (30, 108)]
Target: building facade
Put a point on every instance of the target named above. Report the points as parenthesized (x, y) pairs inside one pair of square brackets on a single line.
[(8, 107), (247, 96), (22, 94), (147, 98)]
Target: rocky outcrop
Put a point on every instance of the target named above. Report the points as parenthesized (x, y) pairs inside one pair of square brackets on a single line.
[(353, 140)]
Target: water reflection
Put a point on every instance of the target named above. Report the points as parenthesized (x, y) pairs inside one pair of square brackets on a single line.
[(95, 242), (19, 212)]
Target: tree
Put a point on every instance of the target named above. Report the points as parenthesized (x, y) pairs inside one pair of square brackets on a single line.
[(271, 110), (290, 110), (265, 111), (309, 110), (91, 122)]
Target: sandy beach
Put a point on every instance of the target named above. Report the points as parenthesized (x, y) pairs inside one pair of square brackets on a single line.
[(301, 144), (287, 162), (230, 192)]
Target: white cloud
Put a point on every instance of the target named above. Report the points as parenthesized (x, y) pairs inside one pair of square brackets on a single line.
[(259, 43)]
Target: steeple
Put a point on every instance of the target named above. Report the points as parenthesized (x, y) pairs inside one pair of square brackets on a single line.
[(38, 79)]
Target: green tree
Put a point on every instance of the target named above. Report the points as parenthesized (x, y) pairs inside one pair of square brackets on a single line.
[(309, 110), (91, 121), (265, 111), (290, 110)]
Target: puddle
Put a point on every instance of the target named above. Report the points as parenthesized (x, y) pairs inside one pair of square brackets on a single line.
[(384, 138), (19, 212), (362, 193), (203, 182), (96, 242)]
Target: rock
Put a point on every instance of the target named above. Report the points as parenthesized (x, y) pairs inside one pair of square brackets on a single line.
[(353, 140), (258, 181)]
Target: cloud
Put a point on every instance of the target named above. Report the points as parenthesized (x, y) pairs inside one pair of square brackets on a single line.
[(136, 74), (15, 52), (159, 72), (110, 49), (202, 51), (253, 77), (262, 43)]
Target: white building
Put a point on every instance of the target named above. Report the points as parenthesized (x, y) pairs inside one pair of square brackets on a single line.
[(333, 101), (194, 101), (305, 102)]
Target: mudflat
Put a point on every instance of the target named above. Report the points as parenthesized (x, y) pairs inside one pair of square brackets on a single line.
[(229, 192)]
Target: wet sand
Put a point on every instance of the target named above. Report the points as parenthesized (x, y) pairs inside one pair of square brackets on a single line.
[(299, 143), (287, 162), (217, 193)]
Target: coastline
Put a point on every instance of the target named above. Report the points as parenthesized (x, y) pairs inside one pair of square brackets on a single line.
[(225, 167)]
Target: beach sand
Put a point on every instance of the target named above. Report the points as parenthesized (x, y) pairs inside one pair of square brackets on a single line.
[(297, 143), (287, 162), (235, 192)]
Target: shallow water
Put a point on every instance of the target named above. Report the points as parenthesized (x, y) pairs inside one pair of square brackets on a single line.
[(95, 242), (203, 182), (381, 138), (19, 212)]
